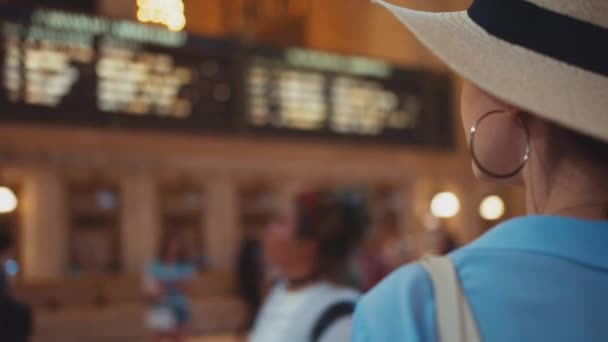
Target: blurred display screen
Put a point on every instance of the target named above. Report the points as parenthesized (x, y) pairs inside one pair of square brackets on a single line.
[(317, 93), (90, 69), (68, 68)]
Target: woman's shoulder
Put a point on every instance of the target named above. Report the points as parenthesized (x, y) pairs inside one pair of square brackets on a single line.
[(400, 308), (410, 283)]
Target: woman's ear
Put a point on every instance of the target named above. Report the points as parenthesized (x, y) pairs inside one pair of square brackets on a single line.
[(499, 145)]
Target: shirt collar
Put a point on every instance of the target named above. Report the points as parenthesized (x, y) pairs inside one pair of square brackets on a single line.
[(582, 241)]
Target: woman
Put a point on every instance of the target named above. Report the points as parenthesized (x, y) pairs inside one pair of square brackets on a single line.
[(310, 246), (534, 105), (167, 283)]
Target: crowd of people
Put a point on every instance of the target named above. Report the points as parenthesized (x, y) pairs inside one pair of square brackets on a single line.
[(300, 275)]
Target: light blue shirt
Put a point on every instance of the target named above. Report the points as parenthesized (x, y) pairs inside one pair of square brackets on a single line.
[(169, 276), (536, 278)]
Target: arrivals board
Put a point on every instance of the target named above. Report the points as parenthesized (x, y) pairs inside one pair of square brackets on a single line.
[(69, 68)]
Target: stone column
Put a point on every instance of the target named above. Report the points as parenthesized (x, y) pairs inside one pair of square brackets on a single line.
[(45, 226), (222, 231), (140, 222)]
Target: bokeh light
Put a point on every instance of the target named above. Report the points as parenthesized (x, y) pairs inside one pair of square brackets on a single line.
[(492, 208), (8, 200), (169, 13), (445, 205)]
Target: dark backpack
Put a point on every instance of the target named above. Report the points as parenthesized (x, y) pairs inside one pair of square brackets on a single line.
[(331, 315)]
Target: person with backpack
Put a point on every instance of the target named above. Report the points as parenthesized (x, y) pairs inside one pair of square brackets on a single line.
[(534, 108), (310, 246)]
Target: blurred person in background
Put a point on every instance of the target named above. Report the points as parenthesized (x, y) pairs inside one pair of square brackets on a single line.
[(167, 284), (534, 106), (387, 249), (446, 242), (440, 241), (15, 317), (251, 274), (383, 252), (370, 264), (310, 245)]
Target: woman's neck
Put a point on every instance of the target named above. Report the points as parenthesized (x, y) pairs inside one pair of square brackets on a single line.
[(572, 190)]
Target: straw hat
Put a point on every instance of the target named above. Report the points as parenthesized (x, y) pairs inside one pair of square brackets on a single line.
[(549, 57)]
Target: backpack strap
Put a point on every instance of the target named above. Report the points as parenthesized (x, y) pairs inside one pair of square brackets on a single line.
[(455, 321), (331, 315)]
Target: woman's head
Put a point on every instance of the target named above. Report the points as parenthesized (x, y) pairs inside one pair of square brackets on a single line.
[(496, 135), (561, 80), (316, 235), (172, 250), (511, 137)]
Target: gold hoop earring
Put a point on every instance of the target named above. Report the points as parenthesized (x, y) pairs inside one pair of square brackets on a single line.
[(478, 163)]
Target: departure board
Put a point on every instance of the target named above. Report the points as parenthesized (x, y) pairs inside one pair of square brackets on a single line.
[(311, 93), (75, 68)]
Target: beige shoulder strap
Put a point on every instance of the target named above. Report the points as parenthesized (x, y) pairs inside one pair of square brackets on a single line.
[(455, 322)]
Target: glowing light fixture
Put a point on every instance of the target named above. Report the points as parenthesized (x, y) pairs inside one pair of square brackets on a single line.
[(492, 208), (169, 13), (445, 205), (8, 200)]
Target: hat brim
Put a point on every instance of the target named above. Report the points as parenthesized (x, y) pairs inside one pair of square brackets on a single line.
[(559, 92)]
